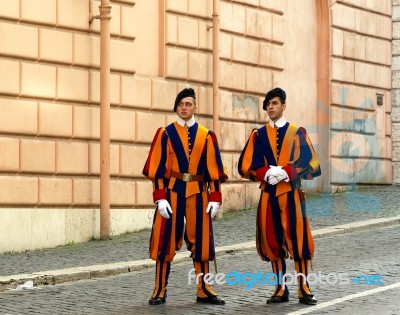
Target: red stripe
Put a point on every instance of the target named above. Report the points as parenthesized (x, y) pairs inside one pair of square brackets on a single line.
[(273, 244), (260, 173), (147, 165), (159, 194), (291, 171), (215, 196)]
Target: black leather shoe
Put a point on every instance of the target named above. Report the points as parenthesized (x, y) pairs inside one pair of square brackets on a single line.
[(211, 300), (308, 299), (277, 299), (157, 301)]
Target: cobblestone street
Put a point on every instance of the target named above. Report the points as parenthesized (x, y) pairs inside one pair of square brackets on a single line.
[(370, 253)]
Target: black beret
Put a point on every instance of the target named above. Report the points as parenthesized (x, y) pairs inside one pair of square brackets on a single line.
[(274, 93), (182, 94)]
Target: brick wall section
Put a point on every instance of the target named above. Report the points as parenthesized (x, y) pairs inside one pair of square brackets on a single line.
[(49, 100), (361, 135), (49, 103), (396, 92)]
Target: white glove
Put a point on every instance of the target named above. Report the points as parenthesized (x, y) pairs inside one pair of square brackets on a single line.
[(214, 207), (272, 172), (279, 175), (273, 180), (163, 208)]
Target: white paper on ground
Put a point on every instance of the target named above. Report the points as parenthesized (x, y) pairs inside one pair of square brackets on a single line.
[(28, 285)]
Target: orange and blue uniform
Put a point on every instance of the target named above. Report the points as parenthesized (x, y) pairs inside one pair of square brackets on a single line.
[(282, 225), (186, 169)]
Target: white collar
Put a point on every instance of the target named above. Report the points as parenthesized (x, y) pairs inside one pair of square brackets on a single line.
[(279, 123), (190, 122)]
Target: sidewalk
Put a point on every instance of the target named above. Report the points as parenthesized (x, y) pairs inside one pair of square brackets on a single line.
[(328, 214)]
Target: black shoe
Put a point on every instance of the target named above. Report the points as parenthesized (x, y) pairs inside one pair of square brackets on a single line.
[(157, 301), (277, 299), (211, 300), (308, 299)]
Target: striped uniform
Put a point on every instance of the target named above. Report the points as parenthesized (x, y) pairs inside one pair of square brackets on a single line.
[(195, 151), (282, 224)]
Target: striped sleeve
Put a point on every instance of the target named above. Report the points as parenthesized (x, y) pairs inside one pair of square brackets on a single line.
[(305, 163), (157, 164), (215, 172), (245, 165)]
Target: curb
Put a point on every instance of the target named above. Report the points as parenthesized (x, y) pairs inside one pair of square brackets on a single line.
[(100, 271)]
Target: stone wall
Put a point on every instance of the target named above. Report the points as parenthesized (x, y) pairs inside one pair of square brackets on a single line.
[(361, 71), (396, 92), (50, 96)]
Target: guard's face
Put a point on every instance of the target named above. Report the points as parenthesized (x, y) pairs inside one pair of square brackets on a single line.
[(186, 108), (275, 108)]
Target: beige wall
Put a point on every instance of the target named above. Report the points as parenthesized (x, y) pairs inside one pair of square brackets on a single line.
[(49, 122), (360, 144), (49, 100), (396, 92), (299, 78)]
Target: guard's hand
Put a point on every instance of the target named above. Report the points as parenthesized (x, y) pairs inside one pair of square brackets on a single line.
[(163, 208), (271, 172), (268, 173), (272, 180), (279, 175), (213, 206)]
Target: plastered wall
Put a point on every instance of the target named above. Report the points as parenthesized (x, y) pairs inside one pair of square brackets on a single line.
[(49, 100)]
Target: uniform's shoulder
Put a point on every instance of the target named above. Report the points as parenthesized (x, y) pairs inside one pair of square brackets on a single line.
[(294, 127), (169, 127), (161, 131), (301, 131), (260, 129), (204, 129), (291, 125)]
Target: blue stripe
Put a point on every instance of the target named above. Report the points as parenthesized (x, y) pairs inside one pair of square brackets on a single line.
[(199, 227), (162, 167), (178, 148), (203, 284), (159, 266), (292, 224), (262, 151), (277, 221), (306, 251), (305, 152), (180, 219), (259, 229), (265, 146), (193, 133)]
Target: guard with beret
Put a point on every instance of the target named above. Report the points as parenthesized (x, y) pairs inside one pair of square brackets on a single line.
[(280, 155), (186, 169), (187, 92)]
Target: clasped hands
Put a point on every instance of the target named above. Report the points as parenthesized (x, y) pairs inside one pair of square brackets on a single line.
[(275, 175), (165, 210)]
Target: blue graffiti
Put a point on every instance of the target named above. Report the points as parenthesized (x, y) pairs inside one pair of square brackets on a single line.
[(358, 158)]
